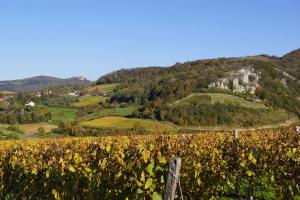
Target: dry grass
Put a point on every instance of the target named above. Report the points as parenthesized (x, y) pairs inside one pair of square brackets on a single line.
[(221, 98), (129, 123), (30, 129), (89, 100), (105, 87)]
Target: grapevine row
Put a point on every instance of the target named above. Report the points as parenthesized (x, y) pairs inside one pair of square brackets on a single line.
[(263, 164)]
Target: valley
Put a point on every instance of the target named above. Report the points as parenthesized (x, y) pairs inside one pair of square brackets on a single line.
[(149, 100), (134, 120), (216, 94)]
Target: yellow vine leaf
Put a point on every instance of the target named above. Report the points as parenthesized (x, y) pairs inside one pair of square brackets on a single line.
[(146, 155), (252, 158), (156, 196), (108, 147), (149, 183), (55, 194), (250, 173), (47, 174), (143, 177), (34, 171), (71, 169)]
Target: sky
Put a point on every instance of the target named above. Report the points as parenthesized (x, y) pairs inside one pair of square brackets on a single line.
[(66, 38)]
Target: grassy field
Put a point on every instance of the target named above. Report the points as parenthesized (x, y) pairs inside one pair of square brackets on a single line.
[(212, 98), (31, 129), (62, 113), (89, 100), (120, 112), (9, 135), (129, 123), (6, 93), (105, 87), (30, 132)]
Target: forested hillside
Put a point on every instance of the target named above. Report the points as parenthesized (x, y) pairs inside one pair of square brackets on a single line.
[(291, 63), (275, 84)]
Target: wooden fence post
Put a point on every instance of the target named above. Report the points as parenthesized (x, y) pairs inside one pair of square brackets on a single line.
[(173, 178), (236, 134)]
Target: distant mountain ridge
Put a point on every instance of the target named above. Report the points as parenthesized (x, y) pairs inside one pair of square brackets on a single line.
[(39, 82)]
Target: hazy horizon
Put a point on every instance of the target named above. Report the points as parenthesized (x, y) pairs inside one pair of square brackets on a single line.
[(90, 39)]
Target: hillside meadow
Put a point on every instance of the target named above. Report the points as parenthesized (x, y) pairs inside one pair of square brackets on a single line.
[(30, 129), (10, 135), (89, 100), (62, 113), (213, 98), (103, 87), (120, 112), (113, 122)]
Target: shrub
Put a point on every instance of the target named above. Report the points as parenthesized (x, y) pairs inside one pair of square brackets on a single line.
[(41, 130)]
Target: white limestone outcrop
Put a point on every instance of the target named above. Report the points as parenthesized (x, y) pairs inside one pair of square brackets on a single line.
[(242, 80)]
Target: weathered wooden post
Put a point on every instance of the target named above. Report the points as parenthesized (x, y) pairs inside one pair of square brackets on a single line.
[(236, 134), (172, 178)]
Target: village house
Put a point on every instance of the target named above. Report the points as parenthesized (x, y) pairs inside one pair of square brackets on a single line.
[(4, 105), (101, 94), (75, 93), (38, 94), (30, 103), (2, 98)]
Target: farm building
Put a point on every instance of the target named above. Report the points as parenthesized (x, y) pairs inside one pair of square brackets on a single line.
[(30, 103), (101, 94), (75, 93), (38, 94), (4, 105)]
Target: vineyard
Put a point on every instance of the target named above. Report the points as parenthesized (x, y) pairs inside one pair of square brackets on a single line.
[(264, 164)]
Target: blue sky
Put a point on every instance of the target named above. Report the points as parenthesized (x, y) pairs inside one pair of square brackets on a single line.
[(67, 38)]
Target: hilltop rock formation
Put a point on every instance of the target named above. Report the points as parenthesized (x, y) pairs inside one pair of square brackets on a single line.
[(242, 80)]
